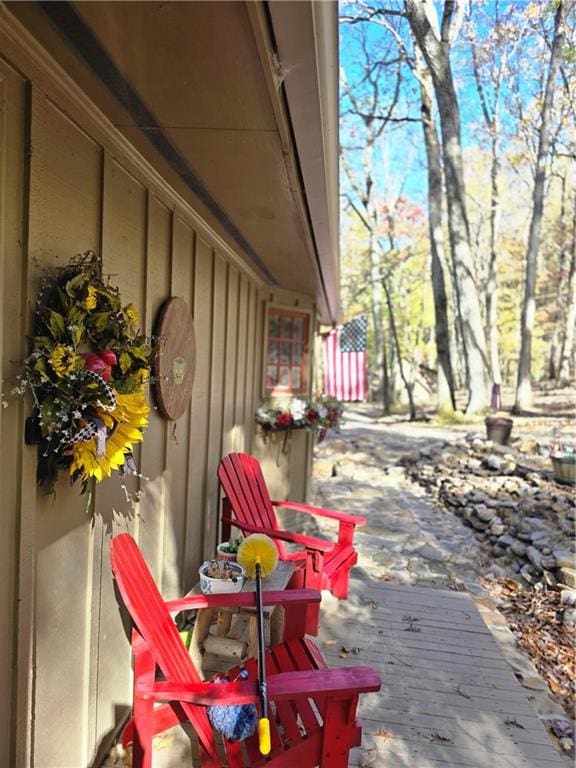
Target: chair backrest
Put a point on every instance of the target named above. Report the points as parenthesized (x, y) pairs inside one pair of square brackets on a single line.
[(152, 618), (243, 483)]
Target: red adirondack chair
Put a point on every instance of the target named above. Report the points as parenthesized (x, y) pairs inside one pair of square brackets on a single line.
[(313, 708), (248, 506)]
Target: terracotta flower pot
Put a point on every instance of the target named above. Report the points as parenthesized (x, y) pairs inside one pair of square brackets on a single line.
[(498, 429)]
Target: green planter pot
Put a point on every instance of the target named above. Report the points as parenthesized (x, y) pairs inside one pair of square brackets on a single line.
[(564, 469)]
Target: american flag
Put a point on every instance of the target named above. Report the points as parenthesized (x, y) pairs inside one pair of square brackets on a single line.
[(344, 352)]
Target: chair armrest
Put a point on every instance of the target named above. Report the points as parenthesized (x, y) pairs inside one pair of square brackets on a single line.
[(283, 686), (294, 538), (244, 599), (343, 517), (204, 693)]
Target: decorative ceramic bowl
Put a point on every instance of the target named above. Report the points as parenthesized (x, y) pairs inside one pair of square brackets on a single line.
[(212, 586)]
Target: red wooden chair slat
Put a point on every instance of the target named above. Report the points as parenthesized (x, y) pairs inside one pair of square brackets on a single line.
[(296, 673), (328, 563), (286, 663)]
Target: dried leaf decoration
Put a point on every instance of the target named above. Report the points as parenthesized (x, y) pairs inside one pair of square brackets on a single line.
[(87, 372)]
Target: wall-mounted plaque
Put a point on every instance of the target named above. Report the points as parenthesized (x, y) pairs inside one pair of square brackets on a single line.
[(175, 362)]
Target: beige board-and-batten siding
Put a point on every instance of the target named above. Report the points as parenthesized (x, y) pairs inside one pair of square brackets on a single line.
[(80, 186)]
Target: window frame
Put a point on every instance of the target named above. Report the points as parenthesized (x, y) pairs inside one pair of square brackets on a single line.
[(285, 311)]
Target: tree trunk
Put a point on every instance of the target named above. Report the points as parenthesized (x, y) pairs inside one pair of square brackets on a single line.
[(524, 384), (492, 282), (566, 357), (445, 386), (555, 355), (437, 56), (409, 386)]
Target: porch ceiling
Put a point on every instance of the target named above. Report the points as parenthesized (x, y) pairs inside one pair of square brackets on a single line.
[(193, 86)]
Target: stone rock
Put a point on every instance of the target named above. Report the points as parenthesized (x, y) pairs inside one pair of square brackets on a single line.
[(534, 523), (471, 436), (549, 562), (493, 462), (506, 540), (567, 744), (569, 618), (498, 529), (479, 524), (535, 557), (485, 513), (396, 471), (519, 548), (564, 558), (498, 571), (550, 579), (498, 550), (527, 573), (568, 597), (528, 446), (525, 536), (568, 577), (429, 552)]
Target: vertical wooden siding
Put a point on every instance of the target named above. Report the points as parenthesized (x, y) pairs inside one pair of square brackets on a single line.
[(12, 328), (85, 194)]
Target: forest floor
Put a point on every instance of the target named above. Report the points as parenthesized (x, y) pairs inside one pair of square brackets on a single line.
[(448, 509)]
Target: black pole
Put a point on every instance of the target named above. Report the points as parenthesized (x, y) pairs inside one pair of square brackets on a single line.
[(261, 645)]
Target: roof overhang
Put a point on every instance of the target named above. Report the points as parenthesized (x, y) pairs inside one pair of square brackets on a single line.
[(235, 104)]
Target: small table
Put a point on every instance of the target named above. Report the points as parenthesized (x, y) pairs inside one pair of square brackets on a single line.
[(278, 580)]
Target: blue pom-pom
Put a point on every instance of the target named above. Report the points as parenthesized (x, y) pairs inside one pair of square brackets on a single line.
[(235, 721)]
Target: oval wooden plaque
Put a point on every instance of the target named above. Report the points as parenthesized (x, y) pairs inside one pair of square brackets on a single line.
[(175, 361)]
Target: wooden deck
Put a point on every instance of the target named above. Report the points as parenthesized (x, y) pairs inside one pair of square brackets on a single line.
[(448, 698)]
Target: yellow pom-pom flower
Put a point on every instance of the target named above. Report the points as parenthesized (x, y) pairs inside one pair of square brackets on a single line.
[(258, 548)]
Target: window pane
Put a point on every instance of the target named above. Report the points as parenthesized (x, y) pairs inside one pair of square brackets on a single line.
[(273, 352), (285, 352), (284, 380), (296, 377), (298, 328), (274, 325), (271, 376), (297, 353), (286, 327)]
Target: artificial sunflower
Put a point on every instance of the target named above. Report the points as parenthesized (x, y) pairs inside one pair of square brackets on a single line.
[(124, 427), (63, 360)]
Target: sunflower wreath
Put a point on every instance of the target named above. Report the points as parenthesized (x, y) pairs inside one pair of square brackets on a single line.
[(87, 372)]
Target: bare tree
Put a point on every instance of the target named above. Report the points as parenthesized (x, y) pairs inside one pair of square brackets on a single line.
[(524, 383), (434, 41), (567, 353)]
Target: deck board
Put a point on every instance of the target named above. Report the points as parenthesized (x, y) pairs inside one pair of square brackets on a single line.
[(449, 699)]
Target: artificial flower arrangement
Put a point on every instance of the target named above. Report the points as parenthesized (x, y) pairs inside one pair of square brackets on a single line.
[(87, 372), (317, 415)]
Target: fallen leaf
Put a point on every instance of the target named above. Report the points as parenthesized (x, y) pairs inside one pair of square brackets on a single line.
[(438, 736), (329, 642), (410, 618), (369, 603), (460, 692), (384, 734), (345, 652), (514, 722)]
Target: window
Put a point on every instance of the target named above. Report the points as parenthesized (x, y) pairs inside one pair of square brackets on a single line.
[(286, 352)]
